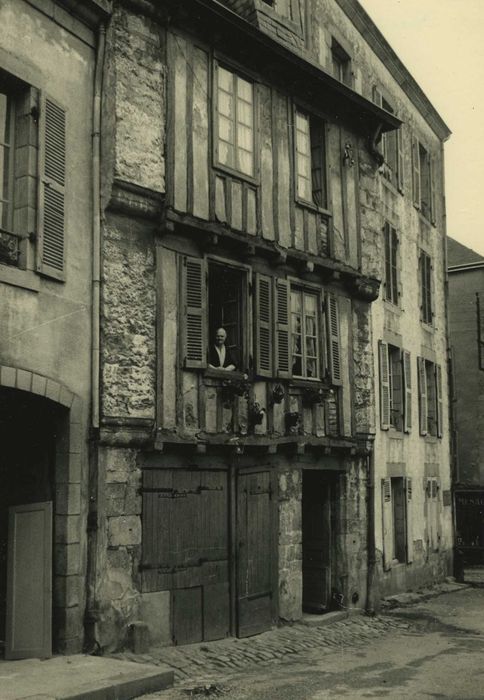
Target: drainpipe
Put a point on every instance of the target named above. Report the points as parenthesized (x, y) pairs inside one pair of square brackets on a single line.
[(91, 615), (372, 601), (96, 223)]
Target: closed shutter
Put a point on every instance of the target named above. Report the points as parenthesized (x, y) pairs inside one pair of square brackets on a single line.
[(384, 385), (422, 395), (407, 379), (51, 189), (433, 212), (438, 388), (334, 348), (400, 160), (194, 313), (387, 515), (263, 326), (416, 173), (409, 519), (282, 328)]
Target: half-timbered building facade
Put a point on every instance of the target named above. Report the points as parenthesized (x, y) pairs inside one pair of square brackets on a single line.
[(242, 143)]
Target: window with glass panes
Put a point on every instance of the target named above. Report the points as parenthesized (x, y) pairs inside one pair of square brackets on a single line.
[(235, 124), (304, 334), (310, 154), (6, 161), (391, 267)]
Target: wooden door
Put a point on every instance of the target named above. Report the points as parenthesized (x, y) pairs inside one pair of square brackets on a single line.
[(29, 582), (316, 542), (254, 553)]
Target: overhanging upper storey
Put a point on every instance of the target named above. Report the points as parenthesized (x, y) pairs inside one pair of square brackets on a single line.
[(232, 33)]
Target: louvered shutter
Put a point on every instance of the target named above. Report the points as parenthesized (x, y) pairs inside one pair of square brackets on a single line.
[(384, 385), (409, 519), (400, 160), (407, 379), (51, 189), (263, 325), (282, 328), (194, 313), (433, 212), (334, 348), (438, 387), (422, 395), (416, 173), (387, 517)]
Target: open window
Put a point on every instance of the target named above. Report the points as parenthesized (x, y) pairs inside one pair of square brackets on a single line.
[(227, 309), (423, 180), (397, 521), (310, 159), (391, 146), (430, 397), (395, 388)]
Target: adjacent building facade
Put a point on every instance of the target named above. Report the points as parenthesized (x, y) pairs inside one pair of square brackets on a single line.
[(47, 69), (466, 319)]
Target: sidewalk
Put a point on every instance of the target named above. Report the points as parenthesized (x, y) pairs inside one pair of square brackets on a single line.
[(80, 677)]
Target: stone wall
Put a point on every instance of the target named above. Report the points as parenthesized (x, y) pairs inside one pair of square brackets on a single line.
[(290, 544)]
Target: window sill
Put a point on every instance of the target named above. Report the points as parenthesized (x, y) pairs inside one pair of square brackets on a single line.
[(25, 279), (231, 172), (223, 374), (391, 306), (304, 204), (390, 186)]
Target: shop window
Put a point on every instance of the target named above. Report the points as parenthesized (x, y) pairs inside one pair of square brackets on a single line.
[(430, 397), (395, 388), (32, 178), (235, 122), (391, 264), (310, 159)]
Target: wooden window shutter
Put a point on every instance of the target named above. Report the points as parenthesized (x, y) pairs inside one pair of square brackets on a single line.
[(416, 172), (51, 189), (263, 325), (400, 160), (422, 395), (409, 519), (407, 379), (433, 211), (282, 328), (387, 517), (334, 347), (384, 385), (194, 313), (438, 391)]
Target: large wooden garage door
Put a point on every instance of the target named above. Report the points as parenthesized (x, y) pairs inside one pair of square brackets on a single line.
[(254, 560), (185, 549)]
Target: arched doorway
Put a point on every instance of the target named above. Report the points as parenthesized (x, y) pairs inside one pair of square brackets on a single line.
[(30, 428)]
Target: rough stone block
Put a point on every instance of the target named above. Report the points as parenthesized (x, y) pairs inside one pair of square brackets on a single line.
[(52, 390), (124, 530), (139, 637), (24, 380), (8, 376)]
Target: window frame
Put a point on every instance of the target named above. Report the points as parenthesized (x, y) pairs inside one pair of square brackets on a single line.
[(11, 111), (316, 123), (430, 418), (221, 63), (392, 258), (343, 60), (304, 290), (425, 271), (386, 353)]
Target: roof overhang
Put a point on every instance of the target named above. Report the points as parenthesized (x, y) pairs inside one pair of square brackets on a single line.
[(466, 267), (285, 66)]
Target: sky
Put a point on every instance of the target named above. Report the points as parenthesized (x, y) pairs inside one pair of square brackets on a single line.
[(441, 43)]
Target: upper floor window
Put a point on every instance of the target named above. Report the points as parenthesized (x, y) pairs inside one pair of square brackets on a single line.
[(426, 301), (423, 181), (32, 178), (395, 388), (310, 159), (391, 146), (235, 122), (340, 63), (304, 333), (430, 397), (391, 263)]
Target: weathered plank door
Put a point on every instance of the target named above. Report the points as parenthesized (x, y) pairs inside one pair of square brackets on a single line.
[(254, 553), (29, 582), (185, 549), (316, 542)]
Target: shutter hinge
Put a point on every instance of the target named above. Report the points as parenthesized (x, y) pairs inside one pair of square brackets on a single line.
[(35, 114)]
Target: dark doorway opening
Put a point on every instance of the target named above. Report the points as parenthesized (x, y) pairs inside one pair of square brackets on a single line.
[(318, 533), (28, 435)]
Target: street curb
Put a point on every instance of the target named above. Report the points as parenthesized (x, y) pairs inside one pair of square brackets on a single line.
[(402, 600), (124, 687), (329, 618)]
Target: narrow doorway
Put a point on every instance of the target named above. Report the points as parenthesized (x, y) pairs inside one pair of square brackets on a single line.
[(317, 540), (27, 428)]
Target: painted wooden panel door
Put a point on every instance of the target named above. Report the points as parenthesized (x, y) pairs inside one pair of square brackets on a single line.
[(316, 543), (254, 561), (29, 582)]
